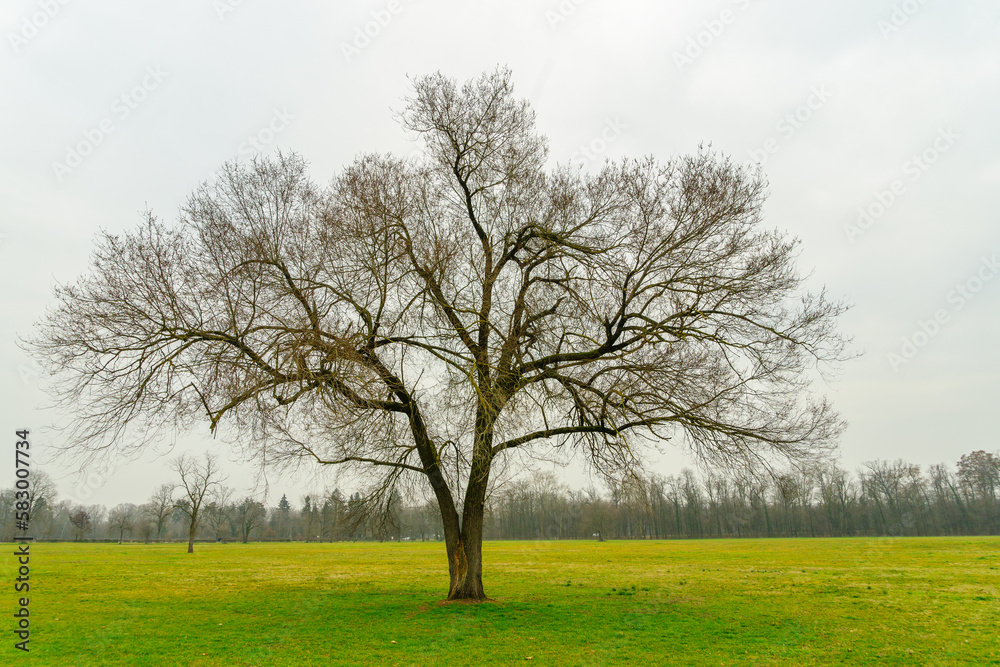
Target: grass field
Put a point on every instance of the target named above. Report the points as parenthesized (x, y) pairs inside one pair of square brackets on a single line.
[(931, 601)]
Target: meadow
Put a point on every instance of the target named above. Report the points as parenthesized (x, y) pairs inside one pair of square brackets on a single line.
[(893, 601)]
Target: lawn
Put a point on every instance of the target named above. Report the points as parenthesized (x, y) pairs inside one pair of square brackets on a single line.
[(928, 601)]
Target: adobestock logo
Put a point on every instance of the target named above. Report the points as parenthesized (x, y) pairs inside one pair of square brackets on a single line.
[(224, 7), (713, 29), (913, 170), (900, 16), (791, 123), (121, 108), (363, 35), (562, 13), (958, 298), (32, 25), (89, 482), (256, 142), (592, 151)]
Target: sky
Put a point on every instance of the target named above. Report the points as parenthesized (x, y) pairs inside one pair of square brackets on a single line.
[(875, 123)]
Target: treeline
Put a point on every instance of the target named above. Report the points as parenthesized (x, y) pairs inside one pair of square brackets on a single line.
[(881, 498)]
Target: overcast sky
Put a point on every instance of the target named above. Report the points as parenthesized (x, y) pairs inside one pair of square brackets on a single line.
[(876, 123)]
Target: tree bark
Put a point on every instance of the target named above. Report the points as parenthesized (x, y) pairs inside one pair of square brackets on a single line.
[(465, 555), (463, 538), (191, 531), (464, 547), (465, 563)]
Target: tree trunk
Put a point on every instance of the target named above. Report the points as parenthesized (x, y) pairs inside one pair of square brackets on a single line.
[(465, 565), (463, 540), (465, 562), (191, 531), (466, 555)]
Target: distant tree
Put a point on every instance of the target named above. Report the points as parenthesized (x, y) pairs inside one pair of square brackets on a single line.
[(430, 520), (694, 503), (249, 514), (390, 524), (954, 513), (308, 518), (332, 515), (979, 476), (197, 481), (219, 510), (80, 519), (143, 526), (596, 514), (837, 497), (893, 487), (160, 506), (98, 513), (121, 520), (980, 472), (283, 517), (42, 492), (7, 512)]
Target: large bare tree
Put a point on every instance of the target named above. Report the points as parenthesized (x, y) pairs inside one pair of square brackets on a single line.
[(437, 318)]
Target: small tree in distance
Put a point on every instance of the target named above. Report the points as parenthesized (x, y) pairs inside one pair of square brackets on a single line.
[(197, 481), (80, 521), (283, 516), (249, 514), (121, 519), (429, 320), (308, 518), (219, 509), (160, 506)]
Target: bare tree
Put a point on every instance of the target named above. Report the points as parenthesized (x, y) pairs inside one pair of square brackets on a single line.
[(837, 496), (40, 499), (160, 506), (80, 520), (332, 516), (249, 514), (281, 517), (219, 509), (197, 480), (121, 519), (979, 472), (98, 513), (143, 525), (309, 516), (431, 319)]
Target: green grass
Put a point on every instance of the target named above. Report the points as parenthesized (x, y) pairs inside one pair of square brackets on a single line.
[(931, 601)]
